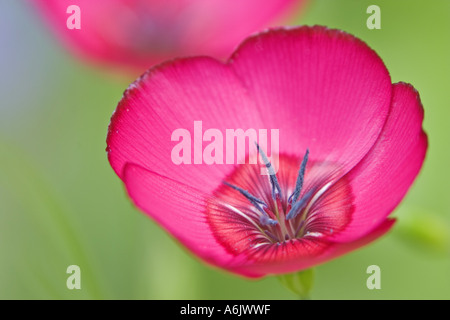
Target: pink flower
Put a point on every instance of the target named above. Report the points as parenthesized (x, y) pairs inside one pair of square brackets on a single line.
[(350, 145), (140, 33)]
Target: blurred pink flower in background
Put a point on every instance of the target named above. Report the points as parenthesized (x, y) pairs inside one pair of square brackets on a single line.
[(350, 145), (137, 34)]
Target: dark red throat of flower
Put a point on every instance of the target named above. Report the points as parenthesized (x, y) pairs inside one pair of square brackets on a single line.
[(252, 211)]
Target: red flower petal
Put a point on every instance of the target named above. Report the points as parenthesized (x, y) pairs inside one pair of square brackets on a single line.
[(383, 177), (178, 208), (298, 262), (326, 90), (170, 97), (338, 114)]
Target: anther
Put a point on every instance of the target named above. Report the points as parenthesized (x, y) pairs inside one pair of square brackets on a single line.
[(273, 177), (300, 178), (256, 202), (299, 205)]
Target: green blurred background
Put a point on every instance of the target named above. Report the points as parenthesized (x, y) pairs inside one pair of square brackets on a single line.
[(61, 203)]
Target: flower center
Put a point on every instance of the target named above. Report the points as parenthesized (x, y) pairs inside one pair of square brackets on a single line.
[(303, 200)]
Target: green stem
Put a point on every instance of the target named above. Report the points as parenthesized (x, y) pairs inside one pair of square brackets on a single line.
[(299, 283)]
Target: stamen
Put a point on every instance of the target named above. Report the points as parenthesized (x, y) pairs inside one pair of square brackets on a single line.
[(299, 205), (260, 244), (246, 194), (271, 235), (243, 215), (273, 177), (254, 200), (317, 196), (300, 178), (264, 219), (300, 226)]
